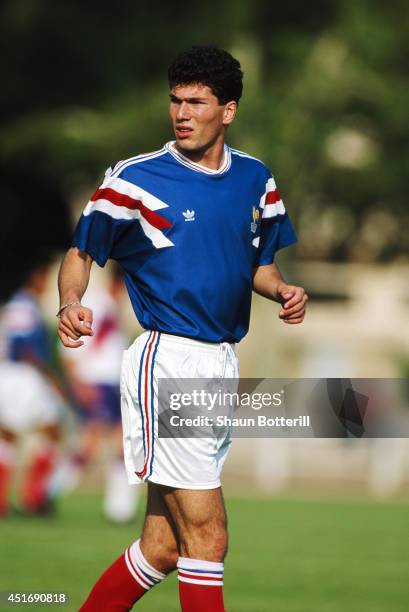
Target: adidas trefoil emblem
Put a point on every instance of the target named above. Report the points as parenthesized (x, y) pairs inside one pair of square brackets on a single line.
[(189, 215)]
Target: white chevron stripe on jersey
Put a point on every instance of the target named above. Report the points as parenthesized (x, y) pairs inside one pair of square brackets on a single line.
[(273, 207), (272, 210), (113, 188), (133, 191), (270, 186), (155, 235)]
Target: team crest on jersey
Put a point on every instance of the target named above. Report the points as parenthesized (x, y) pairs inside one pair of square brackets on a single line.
[(189, 215), (256, 216)]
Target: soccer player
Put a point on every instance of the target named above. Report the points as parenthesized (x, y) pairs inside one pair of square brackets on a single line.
[(195, 227), (30, 393)]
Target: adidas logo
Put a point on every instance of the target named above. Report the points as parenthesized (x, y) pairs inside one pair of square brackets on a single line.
[(189, 215)]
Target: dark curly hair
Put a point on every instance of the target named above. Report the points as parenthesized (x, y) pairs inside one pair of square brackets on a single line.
[(210, 66)]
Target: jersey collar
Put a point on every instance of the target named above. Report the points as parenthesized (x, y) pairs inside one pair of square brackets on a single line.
[(170, 146)]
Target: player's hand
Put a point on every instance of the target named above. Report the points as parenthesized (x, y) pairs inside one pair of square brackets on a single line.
[(293, 300), (75, 321)]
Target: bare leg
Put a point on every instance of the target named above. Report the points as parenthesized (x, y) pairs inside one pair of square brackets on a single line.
[(159, 543), (143, 565), (201, 522)]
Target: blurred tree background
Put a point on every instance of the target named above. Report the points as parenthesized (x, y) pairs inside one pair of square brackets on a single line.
[(325, 106)]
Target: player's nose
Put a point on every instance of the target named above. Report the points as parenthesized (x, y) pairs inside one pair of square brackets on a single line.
[(183, 111)]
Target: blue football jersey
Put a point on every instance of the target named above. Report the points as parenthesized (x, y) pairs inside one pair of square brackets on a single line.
[(187, 238), (25, 333)]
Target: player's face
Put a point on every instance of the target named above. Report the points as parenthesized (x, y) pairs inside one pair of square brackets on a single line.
[(198, 119)]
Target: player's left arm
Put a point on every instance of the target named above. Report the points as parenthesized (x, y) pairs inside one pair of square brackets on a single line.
[(268, 282)]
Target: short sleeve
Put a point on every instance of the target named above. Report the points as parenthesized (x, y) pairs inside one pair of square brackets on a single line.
[(276, 230), (98, 226)]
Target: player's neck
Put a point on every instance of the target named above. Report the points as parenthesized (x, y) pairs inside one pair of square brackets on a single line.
[(212, 157)]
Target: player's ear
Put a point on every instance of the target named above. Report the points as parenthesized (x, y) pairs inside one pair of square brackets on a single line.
[(229, 112)]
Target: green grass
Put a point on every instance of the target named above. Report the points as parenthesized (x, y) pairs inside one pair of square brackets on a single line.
[(286, 555)]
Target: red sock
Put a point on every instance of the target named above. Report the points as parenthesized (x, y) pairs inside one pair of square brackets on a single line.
[(35, 486), (5, 479), (200, 585), (123, 583), (6, 471)]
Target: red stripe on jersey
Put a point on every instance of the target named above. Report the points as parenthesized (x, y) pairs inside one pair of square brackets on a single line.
[(272, 197), (121, 199)]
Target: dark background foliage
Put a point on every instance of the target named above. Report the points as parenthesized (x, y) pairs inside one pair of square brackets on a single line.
[(325, 106)]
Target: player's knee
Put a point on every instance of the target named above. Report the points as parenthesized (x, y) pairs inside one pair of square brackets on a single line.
[(167, 559), (208, 540), (161, 556)]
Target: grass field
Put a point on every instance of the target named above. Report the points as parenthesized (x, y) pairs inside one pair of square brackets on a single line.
[(286, 555)]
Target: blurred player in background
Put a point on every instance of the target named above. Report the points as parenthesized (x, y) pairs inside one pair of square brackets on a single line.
[(93, 373), (195, 226), (30, 393)]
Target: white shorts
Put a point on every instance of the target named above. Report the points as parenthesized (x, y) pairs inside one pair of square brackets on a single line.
[(27, 401), (185, 463)]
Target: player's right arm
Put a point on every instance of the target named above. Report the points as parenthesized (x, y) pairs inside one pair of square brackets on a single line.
[(75, 320)]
